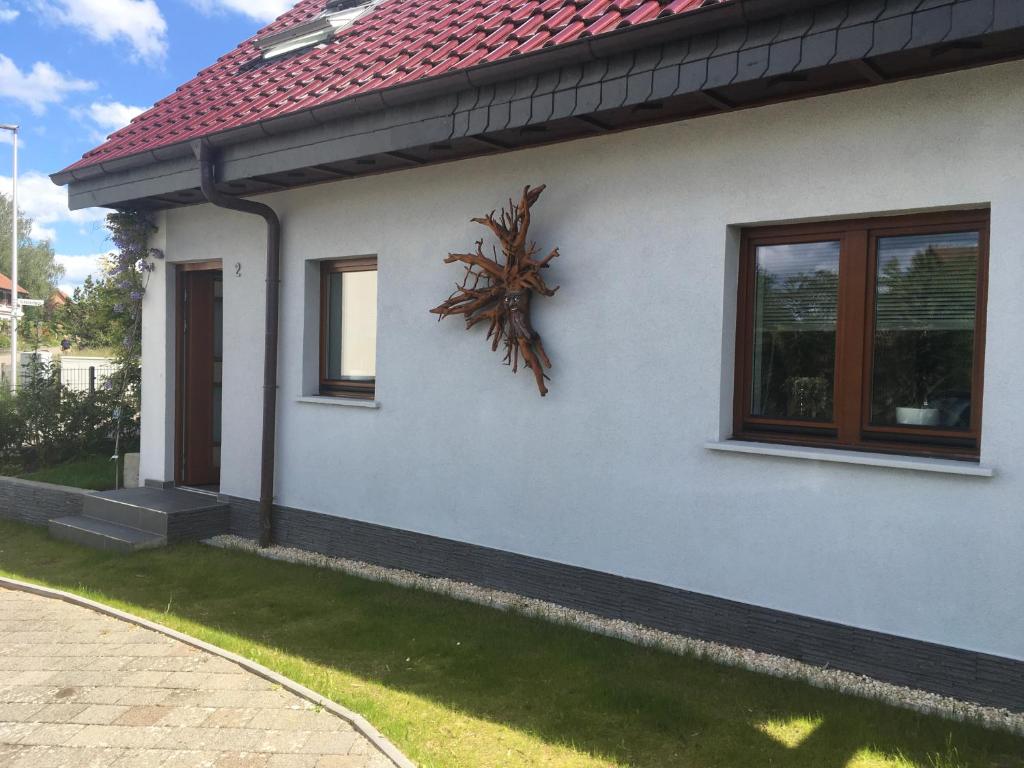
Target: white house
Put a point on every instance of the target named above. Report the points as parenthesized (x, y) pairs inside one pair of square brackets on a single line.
[(6, 296), (785, 400)]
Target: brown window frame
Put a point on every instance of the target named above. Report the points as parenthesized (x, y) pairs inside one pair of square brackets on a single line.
[(343, 387), (850, 427)]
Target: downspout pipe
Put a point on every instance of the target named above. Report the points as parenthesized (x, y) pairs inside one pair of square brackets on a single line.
[(208, 184)]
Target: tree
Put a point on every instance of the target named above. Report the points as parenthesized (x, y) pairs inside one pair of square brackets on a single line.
[(89, 320), (38, 270)]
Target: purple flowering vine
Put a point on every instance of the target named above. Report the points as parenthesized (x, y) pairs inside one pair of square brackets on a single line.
[(128, 271)]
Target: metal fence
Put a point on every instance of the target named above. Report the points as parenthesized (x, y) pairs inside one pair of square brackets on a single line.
[(75, 376), (86, 379)]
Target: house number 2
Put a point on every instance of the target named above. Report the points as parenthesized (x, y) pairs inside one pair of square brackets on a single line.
[(238, 269)]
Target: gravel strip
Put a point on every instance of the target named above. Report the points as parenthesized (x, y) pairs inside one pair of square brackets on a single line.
[(755, 661)]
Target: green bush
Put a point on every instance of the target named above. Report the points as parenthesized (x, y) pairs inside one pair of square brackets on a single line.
[(46, 423), (12, 427)]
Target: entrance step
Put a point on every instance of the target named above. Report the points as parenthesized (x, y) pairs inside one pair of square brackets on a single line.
[(148, 509), (139, 518), (100, 534)]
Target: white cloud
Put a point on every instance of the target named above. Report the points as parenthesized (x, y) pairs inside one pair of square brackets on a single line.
[(137, 22), (108, 117), (47, 205), (7, 13), (260, 10), (113, 114), (42, 233), (77, 268), (38, 87)]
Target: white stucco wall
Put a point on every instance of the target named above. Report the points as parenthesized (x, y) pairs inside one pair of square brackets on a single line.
[(610, 470)]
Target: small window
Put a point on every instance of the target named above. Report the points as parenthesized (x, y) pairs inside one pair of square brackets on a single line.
[(337, 16), (348, 327), (864, 334)]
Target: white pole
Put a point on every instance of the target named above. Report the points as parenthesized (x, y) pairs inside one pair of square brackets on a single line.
[(14, 263)]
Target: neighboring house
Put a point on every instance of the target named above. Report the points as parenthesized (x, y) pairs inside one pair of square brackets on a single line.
[(6, 292), (57, 300), (785, 409)]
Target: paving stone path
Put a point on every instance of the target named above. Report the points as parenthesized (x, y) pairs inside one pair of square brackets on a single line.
[(82, 690)]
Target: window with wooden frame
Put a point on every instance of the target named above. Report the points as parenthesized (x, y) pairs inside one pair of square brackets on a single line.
[(348, 327), (866, 334)]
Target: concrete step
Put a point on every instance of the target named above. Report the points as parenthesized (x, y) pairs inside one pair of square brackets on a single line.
[(128, 515), (101, 534), (146, 509)]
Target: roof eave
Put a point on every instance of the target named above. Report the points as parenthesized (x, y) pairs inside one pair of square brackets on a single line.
[(660, 30), (806, 52)]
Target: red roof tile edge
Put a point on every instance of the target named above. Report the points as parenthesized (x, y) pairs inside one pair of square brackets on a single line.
[(5, 284)]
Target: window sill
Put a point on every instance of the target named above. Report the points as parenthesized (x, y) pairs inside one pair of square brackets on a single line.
[(942, 466), (351, 402)]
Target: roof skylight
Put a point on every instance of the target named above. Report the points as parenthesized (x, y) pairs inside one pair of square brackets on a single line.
[(337, 15)]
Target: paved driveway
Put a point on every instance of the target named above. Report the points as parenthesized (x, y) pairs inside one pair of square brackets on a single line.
[(80, 689)]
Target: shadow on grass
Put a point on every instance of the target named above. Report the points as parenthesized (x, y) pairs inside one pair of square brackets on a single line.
[(435, 669)]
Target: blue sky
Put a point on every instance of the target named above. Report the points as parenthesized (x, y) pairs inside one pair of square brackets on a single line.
[(73, 71)]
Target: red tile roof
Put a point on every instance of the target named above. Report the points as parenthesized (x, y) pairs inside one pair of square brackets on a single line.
[(5, 285), (398, 42), (58, 299)]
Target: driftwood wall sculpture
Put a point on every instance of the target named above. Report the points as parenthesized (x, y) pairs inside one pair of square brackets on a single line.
[(498, 291)]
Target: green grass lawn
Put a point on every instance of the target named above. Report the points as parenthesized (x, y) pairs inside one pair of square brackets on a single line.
[(456, 685), (94, 473)]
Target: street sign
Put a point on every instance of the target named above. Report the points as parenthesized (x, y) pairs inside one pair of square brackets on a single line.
[(31, 302)]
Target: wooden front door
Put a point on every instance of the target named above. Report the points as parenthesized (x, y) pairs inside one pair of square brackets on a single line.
[(200, 354)]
